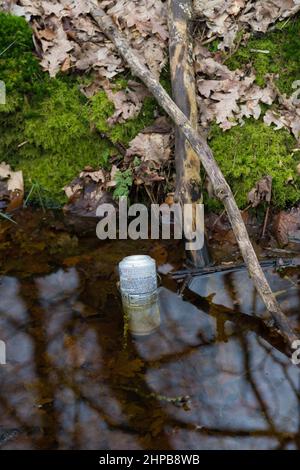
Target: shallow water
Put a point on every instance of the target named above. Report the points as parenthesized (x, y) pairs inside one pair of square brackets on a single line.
[(210, 378)]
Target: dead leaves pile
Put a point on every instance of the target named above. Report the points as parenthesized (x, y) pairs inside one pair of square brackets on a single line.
[(66, 37), (228, 97), (89, 190), (225, 18), (153, 146)]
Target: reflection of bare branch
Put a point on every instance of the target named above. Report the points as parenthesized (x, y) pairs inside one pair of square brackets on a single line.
[(234, 432), (243, 321), (13, 412), (43, 368), (250, 377), (56, 377), (185, 353)]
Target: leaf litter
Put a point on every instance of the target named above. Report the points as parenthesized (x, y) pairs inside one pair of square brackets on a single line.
[(69, 38)]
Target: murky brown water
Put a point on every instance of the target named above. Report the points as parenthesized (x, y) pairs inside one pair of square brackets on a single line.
[(209, 378)]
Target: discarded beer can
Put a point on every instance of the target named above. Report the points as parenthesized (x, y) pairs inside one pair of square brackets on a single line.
[(138, 285)]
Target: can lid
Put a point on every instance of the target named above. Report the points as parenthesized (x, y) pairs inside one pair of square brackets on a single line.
[(137, 261)]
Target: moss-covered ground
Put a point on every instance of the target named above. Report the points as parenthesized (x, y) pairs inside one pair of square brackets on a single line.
[(248, 153), (276, 52), (49, 129)]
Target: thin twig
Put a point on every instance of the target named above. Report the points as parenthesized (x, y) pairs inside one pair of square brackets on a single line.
[(8, 47), (265, 222)]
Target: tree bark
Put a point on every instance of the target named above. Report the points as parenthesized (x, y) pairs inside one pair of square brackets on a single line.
[(219, 184), (188, 180)]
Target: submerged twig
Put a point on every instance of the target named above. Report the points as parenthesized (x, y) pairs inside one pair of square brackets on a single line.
[(276, 264)]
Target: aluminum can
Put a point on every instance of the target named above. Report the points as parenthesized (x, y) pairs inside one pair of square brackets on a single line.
[(138, 285)]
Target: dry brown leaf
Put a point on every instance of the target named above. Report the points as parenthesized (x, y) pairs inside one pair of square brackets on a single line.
[(96, 175), (11, 188), (89, 190), (161, 125), (151, 147), (128, 102), (225, 18), (287, 113), (56, 55), (261, 192)]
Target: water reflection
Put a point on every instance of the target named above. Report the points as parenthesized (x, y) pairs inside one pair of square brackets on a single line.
[(70, 383)]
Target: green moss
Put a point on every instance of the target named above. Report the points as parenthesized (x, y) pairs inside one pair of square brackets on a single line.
[(19, 67), (51, 139), (14, 29), (101, 110), (59, 141), (246, 154), (47, 124), (283, 46)]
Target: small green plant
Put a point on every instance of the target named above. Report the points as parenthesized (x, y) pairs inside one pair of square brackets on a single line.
[(136, 161), (124, 182), (38, 195)]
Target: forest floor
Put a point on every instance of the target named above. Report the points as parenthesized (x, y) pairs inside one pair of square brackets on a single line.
[(64, 131)]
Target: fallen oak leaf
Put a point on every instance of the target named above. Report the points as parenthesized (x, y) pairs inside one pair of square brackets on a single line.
[(151, 147), (261, 192), (128, 102)]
